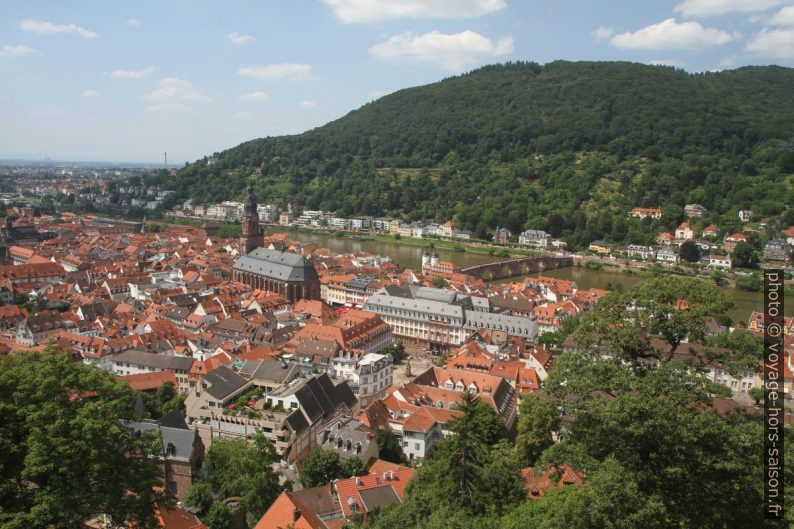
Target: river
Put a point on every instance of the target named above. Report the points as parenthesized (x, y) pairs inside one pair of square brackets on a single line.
[(411, 257)]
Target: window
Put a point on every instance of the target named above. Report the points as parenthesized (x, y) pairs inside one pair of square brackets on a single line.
[(172, 487), (416, 446), (294, 405)]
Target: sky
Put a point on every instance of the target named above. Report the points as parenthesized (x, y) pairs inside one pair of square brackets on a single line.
[(126, 81)]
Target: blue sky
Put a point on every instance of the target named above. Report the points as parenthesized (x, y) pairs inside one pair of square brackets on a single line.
[(126, 81)]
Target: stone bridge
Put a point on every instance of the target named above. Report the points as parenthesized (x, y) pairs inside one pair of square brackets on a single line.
[(516, 267)]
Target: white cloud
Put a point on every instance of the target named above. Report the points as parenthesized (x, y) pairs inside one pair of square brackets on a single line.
[(453, 52), (168, 108), (704, 8), (133, 22), (173, 89), (17, 50), (669, 34), (132, 74), (239, 38), (92, 93), (307, 104), (48, 28), (274, 72), (784, 17), (602, 33), (254, 96), (376, 10), (775, 43)]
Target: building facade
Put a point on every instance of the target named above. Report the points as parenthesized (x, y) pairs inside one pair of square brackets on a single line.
[(286, 273)]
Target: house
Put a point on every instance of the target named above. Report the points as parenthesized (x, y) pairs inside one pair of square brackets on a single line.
[(331, 505), (776, 250), (537, 238), (665, 238), (538, 484), (349, 438), (320, 402), (182, 451), (789, 235), (723, 262), (729, 242), (449, 228), (654, 213), (710, 231), (745, 215), (601, 247), (684, 232), (667, 255), (369, 376), (638, 250), (444, 387), (502, 235), (695, 210)]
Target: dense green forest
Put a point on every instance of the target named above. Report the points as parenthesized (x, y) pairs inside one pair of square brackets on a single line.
[(565, 147)]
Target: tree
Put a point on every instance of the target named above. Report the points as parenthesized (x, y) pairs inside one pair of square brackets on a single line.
[(199, 496), (538, 419), (353, 466), (672, 309), (656, 423), (164, 400), (483, 421), (690, 252), (744, 256), (243, 469), (64, 453), (439, 282), (323, 466), (397, 352), (388, 446), (737, 351), (757, 394), (218, 517)]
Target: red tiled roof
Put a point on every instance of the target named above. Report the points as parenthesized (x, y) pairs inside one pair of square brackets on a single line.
[(149, 381)]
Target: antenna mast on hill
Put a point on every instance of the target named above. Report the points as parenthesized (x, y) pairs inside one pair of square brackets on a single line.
[(166, 159)]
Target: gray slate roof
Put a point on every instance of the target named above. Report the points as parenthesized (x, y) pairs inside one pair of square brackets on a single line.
[(270, 370), (177, 442), (156, 361), (284, 266), (223, 382)]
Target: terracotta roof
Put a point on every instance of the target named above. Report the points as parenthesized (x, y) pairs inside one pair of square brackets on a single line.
[(149, 381)]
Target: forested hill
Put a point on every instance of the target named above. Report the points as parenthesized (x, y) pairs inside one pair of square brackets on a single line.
[(513, 144)]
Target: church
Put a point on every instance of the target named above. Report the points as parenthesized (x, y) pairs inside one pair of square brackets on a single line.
[(289, 274)]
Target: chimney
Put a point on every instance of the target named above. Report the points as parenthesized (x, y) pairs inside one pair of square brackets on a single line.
[(296, 514), (385, 476)]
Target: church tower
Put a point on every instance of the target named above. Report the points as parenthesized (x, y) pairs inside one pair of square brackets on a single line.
[(249, 236)]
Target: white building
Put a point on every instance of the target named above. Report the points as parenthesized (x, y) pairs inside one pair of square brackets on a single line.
[(537, 238), (667, 255), (723, 262), (368, 376), (440, 319), (638, 250)]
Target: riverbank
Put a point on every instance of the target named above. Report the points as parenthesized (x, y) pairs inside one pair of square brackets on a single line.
[(407, 252)]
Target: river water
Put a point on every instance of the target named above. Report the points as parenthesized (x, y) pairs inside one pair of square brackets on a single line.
[(411, 257)]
